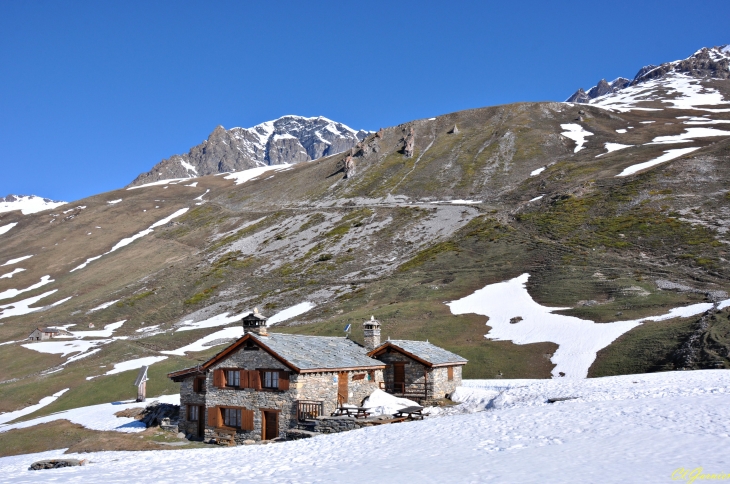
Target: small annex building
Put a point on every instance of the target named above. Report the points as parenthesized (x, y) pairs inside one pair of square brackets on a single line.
[(40, 334), (266, 383)]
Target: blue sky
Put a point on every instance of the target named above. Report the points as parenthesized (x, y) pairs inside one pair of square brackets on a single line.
[(94, 93)]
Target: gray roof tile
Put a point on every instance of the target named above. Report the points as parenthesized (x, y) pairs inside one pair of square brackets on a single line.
[(315, 352), (426, 351)]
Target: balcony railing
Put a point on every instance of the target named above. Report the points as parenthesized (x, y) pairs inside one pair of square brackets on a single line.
[(309, 409), (420, 391)]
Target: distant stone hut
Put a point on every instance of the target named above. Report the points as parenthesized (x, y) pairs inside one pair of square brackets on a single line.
[(266, 383), (40, 334)]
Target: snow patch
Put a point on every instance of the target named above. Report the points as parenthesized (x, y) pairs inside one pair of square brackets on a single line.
[(15, 261), (135, 364), (578, 339), (610, 147), (538, 171), (14, 292), (243, 176), (27, 204), (44, 402), (10, 275), (576, 133), (103, 306), (97, 417), (6, 228), (126, 241), (290, 312), (667, 156)]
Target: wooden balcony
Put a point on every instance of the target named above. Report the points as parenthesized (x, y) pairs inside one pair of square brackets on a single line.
[(415, 391), (309, 409)]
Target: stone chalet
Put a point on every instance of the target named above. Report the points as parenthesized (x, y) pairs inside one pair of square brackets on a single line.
[(267, 383), (40, 334)]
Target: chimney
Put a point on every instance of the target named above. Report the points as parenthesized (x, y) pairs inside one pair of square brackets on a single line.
[(371, 330), (255, 323)]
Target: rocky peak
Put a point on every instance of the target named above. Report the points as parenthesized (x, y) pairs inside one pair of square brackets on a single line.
[(27, 204), (289, 139), (705, 63)]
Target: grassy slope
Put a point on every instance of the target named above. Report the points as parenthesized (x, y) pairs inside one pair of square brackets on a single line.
[(591, 238)]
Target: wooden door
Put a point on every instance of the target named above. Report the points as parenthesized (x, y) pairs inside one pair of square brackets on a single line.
[(342, 389), (399, 377), (271, 425)]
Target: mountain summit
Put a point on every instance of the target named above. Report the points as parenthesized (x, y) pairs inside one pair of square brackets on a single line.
[(711, 63), (289, 139)]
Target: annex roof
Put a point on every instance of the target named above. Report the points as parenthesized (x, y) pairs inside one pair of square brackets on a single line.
[(422, 351)]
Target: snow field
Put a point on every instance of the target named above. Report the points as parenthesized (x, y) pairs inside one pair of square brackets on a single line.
[(6, 228), (102, 306), (610, 147), (576, 133), (689, 135), (21, 307), (578, 340), (135, 364), (290, 312), (10, 293), (15, 261), (29, 204), (240, 177), (45, 401), (10, 275), (128, 240), (199, 345), (667, 156), (97, 417), (634, 428)]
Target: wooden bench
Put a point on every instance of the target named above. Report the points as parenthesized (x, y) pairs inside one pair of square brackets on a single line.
[(357, 412), (225, 437), (411, 413)]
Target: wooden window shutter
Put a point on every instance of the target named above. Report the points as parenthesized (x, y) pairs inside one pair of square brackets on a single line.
[(214, 415), (450, 370), (244, 379), (219, 379), (283, 380), (246, 419), (188, 412), (196, 385), (254, 378)]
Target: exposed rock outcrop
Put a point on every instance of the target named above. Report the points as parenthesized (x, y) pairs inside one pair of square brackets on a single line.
[(705, 63), (290, 139), (409, 142)]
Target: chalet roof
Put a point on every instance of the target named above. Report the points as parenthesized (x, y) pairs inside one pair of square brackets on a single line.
[(300, 353), (423, 351), (52, 330), (318, 352)]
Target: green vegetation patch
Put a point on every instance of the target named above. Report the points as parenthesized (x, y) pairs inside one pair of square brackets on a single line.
[(202, 295)]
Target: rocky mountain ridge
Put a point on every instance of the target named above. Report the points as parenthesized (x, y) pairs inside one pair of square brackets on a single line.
[(27, 204), (705, 63), (287, 140)]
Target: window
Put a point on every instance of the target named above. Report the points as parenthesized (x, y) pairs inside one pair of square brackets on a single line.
[(233, 378), (450, 373), (232, 417), (199, 384), (193, 412), (271, 379)]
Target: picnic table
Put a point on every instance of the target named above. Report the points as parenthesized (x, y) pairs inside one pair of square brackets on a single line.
[(357, 412), (412, 413)]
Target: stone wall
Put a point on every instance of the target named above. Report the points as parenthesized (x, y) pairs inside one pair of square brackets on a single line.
[(249, 398), (189, 397), (441, 384), (416, 374), (321, 386), (333, 425)]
